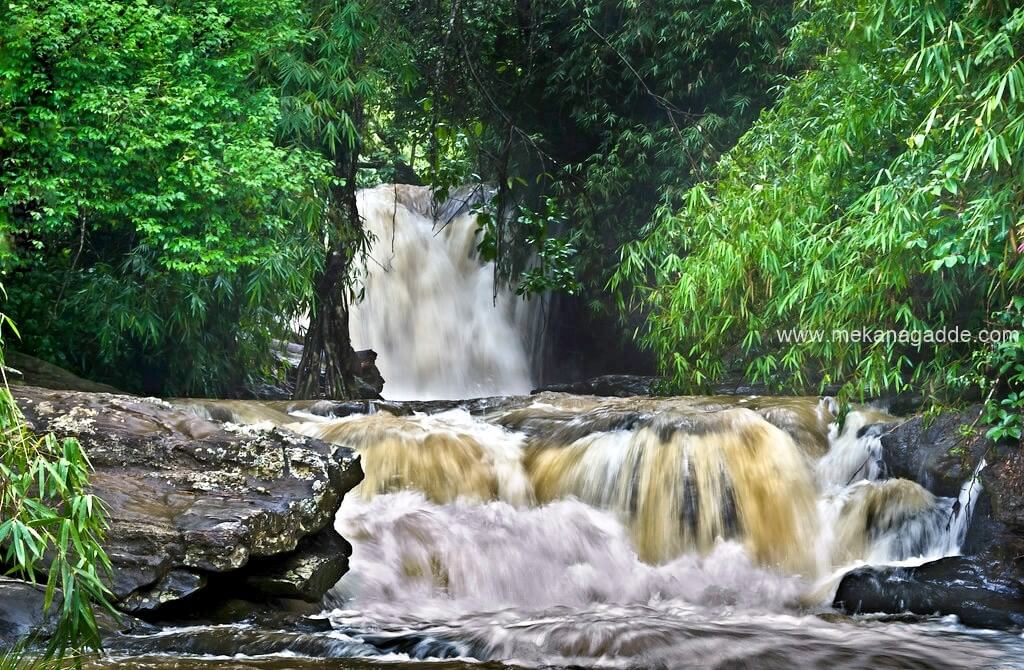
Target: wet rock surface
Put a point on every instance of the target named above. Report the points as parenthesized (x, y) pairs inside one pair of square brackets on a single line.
[(938, 454), (607, 385), (21, 612), (22, 617), (32, 371), (306, 573), (981, 593), (1004, 480), (190, 500)]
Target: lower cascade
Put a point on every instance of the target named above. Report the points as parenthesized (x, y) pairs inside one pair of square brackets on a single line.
[(562, 530)]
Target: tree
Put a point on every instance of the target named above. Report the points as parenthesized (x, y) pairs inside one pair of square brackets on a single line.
[(145, 200), (324, 84), (882, 193)]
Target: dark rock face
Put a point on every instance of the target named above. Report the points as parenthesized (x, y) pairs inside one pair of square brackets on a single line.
[(368, 378), (25, 369), (935, 454), (304, 574), (22, 616), (190, 499), (942, 454), (981, 593), (1005, 482), (21, 612), (620, 386)]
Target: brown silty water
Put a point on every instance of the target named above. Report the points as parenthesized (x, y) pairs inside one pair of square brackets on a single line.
[(574, 531), (557, 530)]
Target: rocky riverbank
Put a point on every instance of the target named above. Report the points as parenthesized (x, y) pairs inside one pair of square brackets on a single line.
[(984, 587), (219, 514), (198, 510)]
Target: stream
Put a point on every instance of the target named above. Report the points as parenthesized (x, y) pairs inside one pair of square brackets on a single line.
[(572, 531), (568, 531)]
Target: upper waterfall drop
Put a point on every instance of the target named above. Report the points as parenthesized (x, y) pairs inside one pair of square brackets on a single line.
[(430, 309)]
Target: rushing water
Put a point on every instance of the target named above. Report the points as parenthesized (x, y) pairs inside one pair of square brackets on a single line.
[(430, 309), (622, 533), (555, 531)]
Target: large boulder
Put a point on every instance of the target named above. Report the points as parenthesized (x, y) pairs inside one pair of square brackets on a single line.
[(980, 593), (192, 502), (940, 452)]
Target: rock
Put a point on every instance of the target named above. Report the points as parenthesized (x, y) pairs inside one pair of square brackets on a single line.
[(980, 593), (1004, 480), (368, 378), (342, 408), (935, 453), (189, 499), (620, 386), (307, 573), (32, 371), (22, 617), (173, 586), (21, 613)]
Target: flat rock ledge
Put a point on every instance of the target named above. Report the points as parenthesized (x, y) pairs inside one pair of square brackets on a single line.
[(196, 506)]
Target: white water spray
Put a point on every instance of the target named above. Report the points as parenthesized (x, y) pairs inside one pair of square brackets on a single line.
[(625, 533), (430, 310)]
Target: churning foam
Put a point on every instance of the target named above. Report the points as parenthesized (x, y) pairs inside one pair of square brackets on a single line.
[(680, 476), (564, 493)]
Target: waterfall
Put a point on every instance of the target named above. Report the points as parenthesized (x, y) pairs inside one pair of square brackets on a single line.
[(429, 308), (680, 476)]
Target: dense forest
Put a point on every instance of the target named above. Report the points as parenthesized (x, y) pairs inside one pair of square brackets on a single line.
[(178, 179)]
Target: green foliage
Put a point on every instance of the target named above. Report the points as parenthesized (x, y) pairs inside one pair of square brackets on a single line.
[(659, 90), (22, 658), (554, 268), (1005, 362), (144, 199), (51, 527), (169, 173), (881, 192), (607, 107)]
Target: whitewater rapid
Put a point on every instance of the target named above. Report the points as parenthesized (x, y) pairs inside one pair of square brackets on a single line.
[(556, 530)]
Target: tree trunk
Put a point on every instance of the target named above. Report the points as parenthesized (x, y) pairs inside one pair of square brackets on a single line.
[(328, 366)]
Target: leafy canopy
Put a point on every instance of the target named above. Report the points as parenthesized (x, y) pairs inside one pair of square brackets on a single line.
[(882, 191), (146, 201)]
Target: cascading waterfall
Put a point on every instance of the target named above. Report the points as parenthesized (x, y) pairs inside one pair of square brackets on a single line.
[(626, 532), (679, 475), (430, 309)]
